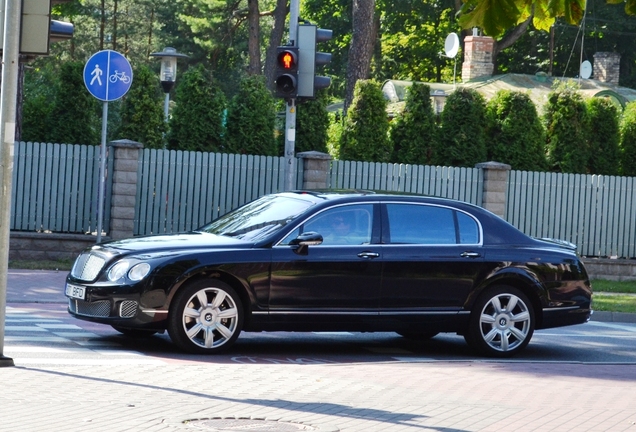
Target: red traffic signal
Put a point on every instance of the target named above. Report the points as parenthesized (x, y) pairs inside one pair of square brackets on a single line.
[(287, 72)]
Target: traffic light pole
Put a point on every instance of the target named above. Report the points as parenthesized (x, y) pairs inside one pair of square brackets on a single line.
[(9, 91), (290, 106)]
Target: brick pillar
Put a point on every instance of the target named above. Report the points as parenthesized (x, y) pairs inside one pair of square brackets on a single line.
[(607, 67), (477, 57), (124, 196), (495, 185), (315, 169)]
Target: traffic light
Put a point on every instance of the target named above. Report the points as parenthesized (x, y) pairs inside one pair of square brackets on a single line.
[(308, 82), (37, 28), (286, 72)]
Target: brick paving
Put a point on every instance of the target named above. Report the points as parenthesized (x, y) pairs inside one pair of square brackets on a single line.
[(392, 396)]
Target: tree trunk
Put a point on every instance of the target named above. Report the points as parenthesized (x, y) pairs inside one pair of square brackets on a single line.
[(509, 39), (254, 50), (361, 49), (275, 39)]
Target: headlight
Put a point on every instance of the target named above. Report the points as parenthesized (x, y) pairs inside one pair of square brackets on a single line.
[(139, 271), (118, 271)]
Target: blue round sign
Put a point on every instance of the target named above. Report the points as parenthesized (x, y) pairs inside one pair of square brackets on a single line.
[(107, 75)]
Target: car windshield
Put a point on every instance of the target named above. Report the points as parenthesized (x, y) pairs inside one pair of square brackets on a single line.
[(258, 219)]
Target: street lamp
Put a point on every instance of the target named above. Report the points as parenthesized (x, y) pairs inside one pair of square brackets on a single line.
[(168, 73)]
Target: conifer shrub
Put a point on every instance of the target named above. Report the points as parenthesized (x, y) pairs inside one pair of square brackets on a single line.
[(628, 140), (365, 133), (604, 138), (515, 135), (414, 132), (197, 120), (251, 119), (312, 123), (567, 129), (142, 117), (462, 140), (75, 116)]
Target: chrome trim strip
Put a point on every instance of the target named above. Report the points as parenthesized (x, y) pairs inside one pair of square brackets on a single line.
[(383, 313), (560, 309), (154, 311)]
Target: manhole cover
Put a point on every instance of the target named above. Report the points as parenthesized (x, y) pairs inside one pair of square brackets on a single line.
[(240, 424)]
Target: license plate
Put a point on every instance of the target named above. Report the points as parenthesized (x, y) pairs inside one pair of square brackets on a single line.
[(75, 291)]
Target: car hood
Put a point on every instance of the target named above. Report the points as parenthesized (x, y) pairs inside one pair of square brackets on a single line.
[(173, 242)]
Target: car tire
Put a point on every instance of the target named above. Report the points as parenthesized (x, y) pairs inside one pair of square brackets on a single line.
[(206, 317), (501, 323), (418, 336), (135, 333)]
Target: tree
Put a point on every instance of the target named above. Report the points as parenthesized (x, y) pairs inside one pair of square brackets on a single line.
[(567, 129), (197, 119), (604, 137), (251, 119), (414, 132), (628, 140), (462, 139), (515, 133), (364, 137), (362, 43), (74, 115), (312, 122), (141, 112)]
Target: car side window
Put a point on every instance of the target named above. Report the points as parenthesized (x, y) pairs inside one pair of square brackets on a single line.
[(468, 229), (426, 224), (344, 225), (421, 224)]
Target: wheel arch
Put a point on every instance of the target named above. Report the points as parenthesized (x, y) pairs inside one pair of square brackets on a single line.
[(225, 277), (527, 284)]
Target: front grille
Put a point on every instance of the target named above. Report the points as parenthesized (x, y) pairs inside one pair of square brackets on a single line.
[(99, 308), (128, 309), (87, 266)]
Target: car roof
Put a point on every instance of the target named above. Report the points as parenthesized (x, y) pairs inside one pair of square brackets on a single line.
[(496, 229)]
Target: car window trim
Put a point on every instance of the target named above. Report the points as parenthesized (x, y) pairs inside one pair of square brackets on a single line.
[(385, 226)]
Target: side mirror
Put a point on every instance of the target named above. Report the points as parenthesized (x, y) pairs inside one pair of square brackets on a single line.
[(304, 240)]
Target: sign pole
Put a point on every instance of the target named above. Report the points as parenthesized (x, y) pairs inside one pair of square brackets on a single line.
[(107, 76), (102, 173), (9, 89), (290, 106)]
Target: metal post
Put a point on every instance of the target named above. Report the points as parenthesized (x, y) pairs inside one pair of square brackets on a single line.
[(290, 107), (166, 106), (102, 173), (9, 91)]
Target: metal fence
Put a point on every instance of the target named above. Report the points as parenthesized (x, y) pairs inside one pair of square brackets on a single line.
[(464, 184), (597, 213), (55, 188), (180, 191)]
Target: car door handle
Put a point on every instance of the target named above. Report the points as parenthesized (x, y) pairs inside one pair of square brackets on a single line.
[(470, 255), (368, 255)]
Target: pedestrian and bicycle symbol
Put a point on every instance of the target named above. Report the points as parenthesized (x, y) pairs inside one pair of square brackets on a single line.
[(108, 75)]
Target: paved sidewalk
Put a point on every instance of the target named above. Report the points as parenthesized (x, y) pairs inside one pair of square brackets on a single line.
[(205, 395)]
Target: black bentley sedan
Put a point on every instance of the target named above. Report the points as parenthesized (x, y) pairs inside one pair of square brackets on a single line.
[(336, 261)]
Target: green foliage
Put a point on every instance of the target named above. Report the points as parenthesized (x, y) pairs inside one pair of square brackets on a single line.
[(251, 119), (74, 117), (628, 140), (334, 134), (414, 132), (141, 112), (365, 134), (39, 96), (462, 139), (567, 130), (312, 122), (515, 133), (197, 119), (604, 138)]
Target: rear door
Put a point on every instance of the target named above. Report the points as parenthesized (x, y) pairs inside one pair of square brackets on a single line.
[(432, 256)]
